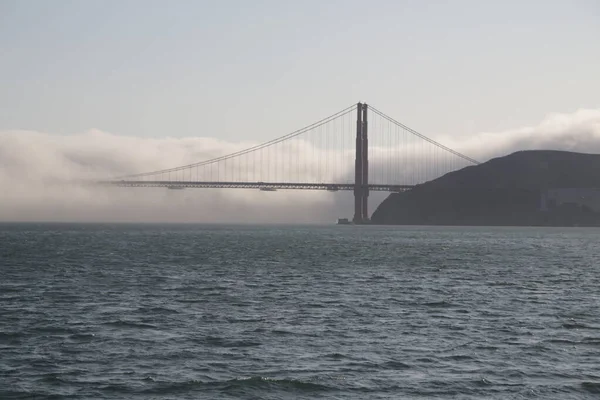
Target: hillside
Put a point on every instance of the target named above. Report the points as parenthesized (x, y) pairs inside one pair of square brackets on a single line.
[(503, 191)]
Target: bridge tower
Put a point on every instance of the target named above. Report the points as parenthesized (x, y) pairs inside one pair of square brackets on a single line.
[(361, 172), (365, 166)]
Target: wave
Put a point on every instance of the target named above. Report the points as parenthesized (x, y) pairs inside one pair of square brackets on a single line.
[(223, 342), (129, 324), (283, 332), (242, 384), (575, 325), (592, 387), (11, 337), (262, 382), (395, 365), (25, 394), (157, 310), (439, 304)]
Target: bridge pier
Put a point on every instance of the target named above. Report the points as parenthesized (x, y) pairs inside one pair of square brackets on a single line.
[(361, 172)]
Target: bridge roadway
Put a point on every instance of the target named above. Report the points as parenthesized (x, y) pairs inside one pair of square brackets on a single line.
[(265, 186)]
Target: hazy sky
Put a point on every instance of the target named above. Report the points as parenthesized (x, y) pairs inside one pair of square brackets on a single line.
[(106, 88), (253, 70)]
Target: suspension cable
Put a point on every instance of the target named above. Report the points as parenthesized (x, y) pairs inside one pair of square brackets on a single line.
[(456, 153), (250, 149)]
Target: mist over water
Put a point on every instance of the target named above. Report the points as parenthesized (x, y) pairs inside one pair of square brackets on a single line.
[(352, 312), (37, 171)]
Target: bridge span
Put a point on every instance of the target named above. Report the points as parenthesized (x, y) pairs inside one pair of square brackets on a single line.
[(358, 149), (267, 186)]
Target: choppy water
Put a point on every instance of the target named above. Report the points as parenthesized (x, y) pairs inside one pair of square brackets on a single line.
[(187, 312)]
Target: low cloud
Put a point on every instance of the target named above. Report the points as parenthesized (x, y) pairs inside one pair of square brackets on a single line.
[(578, 132), (37, 170)]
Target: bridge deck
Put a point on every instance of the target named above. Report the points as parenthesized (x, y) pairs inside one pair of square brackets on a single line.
[(267, 186)]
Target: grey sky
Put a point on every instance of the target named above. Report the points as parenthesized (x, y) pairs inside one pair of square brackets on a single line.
[(240, 70), (104, 88)]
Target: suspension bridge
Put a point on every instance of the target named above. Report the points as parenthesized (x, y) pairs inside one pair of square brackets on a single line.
[(357, 149)]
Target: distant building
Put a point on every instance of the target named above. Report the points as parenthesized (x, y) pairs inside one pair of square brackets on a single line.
[(582, 197)]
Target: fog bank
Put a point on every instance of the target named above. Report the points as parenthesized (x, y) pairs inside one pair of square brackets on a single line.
[(37, 168)]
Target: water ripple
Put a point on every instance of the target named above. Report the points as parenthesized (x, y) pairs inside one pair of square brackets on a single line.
[(151, 311)]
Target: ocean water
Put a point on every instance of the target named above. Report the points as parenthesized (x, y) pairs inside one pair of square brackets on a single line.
[(298, 312)]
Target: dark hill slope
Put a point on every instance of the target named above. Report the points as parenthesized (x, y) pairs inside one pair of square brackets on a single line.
[(502, 191)]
